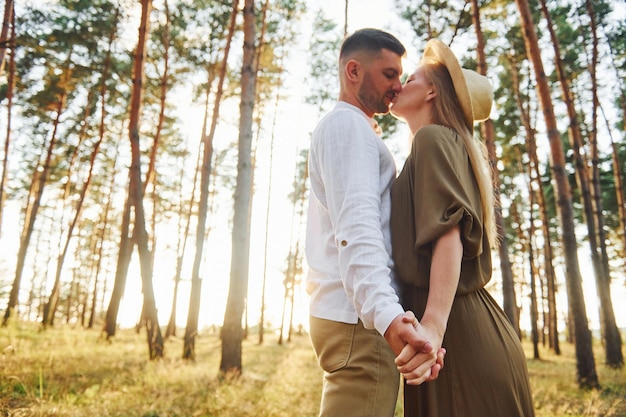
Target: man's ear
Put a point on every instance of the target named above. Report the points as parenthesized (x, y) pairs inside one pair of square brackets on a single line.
[(353, 69)]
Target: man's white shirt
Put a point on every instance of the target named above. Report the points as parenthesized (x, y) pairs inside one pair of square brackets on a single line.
[(348, 245)]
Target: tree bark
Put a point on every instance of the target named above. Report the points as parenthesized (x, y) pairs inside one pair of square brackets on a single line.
[(191, 328), (608, 325), (509, 300), (121, 272), (4, 33), (155, 340), (32, 211), (7, 140), (232, 331)]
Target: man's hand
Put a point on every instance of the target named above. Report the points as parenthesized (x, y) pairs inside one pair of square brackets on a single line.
[(402, 331), (417, 360), (413, 364)]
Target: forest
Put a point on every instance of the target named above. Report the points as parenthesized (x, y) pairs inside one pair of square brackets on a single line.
[(161, 147)]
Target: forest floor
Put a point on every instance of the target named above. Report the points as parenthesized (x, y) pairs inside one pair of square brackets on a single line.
[(74, 372)]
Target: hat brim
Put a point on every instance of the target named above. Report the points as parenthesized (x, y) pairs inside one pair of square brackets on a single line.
[(439, 51)]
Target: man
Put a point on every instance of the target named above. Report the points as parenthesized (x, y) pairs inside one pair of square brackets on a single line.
[(353, 304)]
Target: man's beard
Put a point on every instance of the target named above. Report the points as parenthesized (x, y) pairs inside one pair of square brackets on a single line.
[(367, 96)]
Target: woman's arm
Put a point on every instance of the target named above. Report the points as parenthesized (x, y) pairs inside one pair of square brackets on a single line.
[(444, 279), (445, 271)]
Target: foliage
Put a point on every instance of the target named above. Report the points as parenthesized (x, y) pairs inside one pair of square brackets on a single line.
[(323, 76)]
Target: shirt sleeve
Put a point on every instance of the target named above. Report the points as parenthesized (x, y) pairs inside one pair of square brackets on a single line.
[(445, 192), (350, 166)]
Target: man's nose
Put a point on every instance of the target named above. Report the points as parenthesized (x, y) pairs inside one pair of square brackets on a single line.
[(397, 87)]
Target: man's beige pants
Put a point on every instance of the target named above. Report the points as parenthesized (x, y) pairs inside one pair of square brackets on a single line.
[(360, 376)]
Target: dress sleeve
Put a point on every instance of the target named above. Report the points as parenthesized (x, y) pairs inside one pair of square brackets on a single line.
[(446, 192)]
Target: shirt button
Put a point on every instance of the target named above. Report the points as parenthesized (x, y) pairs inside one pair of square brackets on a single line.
[(344, 243)]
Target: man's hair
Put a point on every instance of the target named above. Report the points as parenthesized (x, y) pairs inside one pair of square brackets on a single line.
[(370, 41)]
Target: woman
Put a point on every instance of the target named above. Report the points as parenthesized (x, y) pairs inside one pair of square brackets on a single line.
[(442, 227)]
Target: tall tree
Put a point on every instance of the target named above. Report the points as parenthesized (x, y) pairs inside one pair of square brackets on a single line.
[(590, 196), (155, 340), (294, 259), (274, 45), (64, 244), (616, 40), (9, 96), (267, 222), (205, 177), (58, 87), (508, 284), (232, 332), (7, 23), (611, 333), (512, 61), (124, 254), (586, 369)]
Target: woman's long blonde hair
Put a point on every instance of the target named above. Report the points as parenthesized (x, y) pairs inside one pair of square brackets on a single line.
[(447, 112)]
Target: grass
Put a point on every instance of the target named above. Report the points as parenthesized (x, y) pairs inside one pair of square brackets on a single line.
[(74, 372), (556, 393)]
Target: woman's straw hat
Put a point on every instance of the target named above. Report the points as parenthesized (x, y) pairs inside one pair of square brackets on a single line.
[(473, 90)]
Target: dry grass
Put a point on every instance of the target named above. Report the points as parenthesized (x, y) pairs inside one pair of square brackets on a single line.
[(73, 372), (556, 393)]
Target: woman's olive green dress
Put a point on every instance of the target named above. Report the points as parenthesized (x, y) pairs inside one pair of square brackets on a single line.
[(485, 372)]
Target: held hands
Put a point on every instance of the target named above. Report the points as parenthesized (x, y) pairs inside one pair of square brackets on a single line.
[(418, 366), (417, 360)]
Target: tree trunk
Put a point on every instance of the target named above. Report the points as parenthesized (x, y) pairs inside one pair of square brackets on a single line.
[(6, 24), (125, 244), (50, 310), (287, 284), (50, 306), (182, 241), (121, 272), (608, 325), (534, 311), (191, 328), (586, 369), (257, 60), (31, 213), (10, 88), (533, 270), (619, 196), (155, 340), (550, 275), (509, 299), (107, 206), (535, 176), (590, 191), (232, 331), (267, 220)]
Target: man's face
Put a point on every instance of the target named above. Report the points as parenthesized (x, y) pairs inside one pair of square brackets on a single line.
[(381, 82)]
